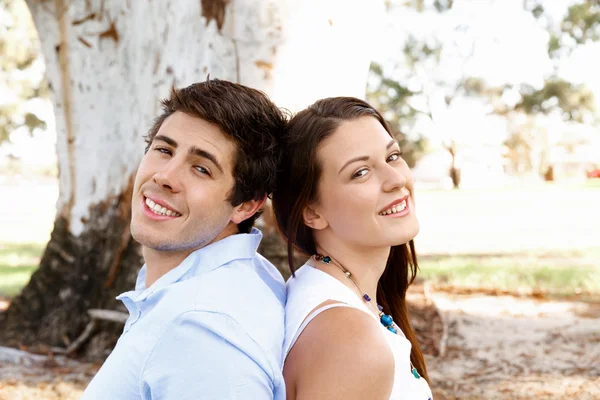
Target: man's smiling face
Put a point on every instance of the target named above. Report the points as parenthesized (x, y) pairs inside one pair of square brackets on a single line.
[(180, 198)]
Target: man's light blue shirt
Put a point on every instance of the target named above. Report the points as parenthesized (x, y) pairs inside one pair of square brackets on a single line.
[(212, 328)]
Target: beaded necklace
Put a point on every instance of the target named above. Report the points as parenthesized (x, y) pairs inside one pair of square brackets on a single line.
[(386, 320)]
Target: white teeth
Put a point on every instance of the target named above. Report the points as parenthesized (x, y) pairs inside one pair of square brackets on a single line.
[(160, 210), (396, 209)]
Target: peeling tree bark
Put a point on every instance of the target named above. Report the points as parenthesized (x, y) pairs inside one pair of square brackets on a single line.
[(108, 64)]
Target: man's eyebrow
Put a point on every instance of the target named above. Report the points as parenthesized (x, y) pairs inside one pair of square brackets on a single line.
[(366, 158), (167, 140), (195, 151)]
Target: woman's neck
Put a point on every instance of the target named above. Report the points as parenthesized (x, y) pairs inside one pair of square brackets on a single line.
[(366, 265)]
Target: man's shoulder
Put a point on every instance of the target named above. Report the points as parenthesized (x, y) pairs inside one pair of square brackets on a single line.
[(242, 283), (236, 303)]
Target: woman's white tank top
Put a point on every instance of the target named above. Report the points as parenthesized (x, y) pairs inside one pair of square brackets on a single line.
[(311, 287)]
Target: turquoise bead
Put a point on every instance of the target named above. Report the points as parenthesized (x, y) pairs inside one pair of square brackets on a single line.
[(416, 373), (392, 329), (386, 320)]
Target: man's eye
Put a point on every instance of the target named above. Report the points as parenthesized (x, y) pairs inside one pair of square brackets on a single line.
[(202, 170), (162, 150)]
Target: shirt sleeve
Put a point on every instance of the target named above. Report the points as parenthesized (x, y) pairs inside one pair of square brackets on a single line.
[(192, 360)]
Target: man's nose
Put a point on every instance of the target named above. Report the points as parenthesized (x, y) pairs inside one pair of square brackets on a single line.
[(169, 177)]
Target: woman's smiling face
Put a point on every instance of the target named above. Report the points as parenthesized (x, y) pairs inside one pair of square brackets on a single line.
[(365, 193)]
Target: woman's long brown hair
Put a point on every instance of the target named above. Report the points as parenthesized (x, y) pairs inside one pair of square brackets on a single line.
[(296, 188)]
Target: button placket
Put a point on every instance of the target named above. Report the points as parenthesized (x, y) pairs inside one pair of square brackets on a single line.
[(134, 313)]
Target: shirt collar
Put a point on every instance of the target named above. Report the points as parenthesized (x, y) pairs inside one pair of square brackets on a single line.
[(235, 247)]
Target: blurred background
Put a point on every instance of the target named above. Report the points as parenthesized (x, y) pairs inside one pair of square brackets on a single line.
[(495, 103)]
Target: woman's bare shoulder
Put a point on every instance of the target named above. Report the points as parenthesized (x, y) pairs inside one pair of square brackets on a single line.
[(342, 353)]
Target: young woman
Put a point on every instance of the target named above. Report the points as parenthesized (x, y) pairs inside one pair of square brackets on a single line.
[(345, 197)]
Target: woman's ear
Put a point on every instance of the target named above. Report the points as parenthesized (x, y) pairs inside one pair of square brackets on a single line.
[(313, 219)]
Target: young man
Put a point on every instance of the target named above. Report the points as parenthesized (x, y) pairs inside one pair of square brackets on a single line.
[(207, 315)]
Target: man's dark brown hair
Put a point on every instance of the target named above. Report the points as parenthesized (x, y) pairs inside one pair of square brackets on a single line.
[(249, 118)]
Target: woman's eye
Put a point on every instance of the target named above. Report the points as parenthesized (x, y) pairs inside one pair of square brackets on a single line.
[(394, 157), (360, 173)]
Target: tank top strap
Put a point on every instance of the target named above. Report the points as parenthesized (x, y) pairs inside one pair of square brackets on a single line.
[(310, 318), (306, 292)]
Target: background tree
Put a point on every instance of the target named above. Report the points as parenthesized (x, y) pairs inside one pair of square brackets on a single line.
[(571, 102), (108, 65), (437, 73), (392, 98), (20, 79), (403, 106)]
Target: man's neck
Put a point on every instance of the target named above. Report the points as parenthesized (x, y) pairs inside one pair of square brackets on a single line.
[(159, 262)]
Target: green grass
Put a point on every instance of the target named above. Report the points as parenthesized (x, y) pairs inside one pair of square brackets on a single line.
[(17, 263), (13, 279), (554, 275)]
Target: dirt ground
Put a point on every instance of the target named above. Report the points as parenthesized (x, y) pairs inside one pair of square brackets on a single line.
[(497, 347), (502, 347)]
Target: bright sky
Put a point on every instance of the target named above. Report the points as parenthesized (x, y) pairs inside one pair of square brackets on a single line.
[(495, 40), (508, 46)]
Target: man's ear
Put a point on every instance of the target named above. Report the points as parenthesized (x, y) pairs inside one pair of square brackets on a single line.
[(247, 209), (313, 219)]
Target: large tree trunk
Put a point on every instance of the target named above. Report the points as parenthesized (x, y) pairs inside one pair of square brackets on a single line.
[(108, 64)]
